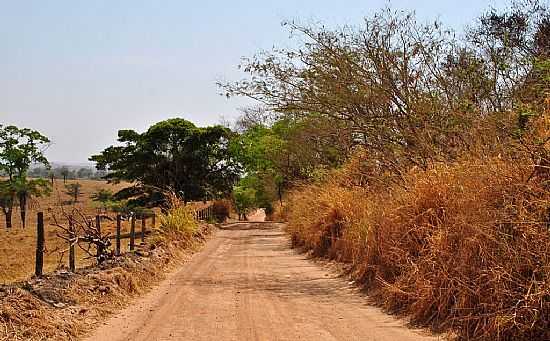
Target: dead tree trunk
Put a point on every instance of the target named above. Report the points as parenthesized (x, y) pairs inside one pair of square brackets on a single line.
[(7, 214)]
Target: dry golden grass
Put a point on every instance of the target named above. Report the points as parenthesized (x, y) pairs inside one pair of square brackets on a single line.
[(18, 245), (463, 248), (179, 218)]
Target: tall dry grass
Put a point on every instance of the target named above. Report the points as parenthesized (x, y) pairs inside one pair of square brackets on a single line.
[(179, 217), (463, 248)]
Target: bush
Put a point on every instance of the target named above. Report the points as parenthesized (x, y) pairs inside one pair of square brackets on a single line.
[(244, 199), (462, 247), (179, 217), (221, 210)]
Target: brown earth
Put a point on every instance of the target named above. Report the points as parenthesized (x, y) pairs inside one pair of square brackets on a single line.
[(248, 284)]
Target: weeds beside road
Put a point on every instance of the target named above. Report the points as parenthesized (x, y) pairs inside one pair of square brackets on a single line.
[(63, 305), (460, 247)]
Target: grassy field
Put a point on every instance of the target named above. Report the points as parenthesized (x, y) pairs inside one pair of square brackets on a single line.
[(18, 245)]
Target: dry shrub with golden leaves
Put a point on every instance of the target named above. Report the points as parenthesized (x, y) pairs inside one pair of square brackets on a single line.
[(463, 248)]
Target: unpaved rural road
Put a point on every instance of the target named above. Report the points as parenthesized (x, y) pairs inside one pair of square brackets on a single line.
[(248, 284)]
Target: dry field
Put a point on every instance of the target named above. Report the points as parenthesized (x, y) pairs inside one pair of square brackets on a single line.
[(18, 245)]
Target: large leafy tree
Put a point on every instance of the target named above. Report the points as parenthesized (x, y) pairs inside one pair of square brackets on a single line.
[(410, 94), (171, 155), (19, 149), (287, 151)]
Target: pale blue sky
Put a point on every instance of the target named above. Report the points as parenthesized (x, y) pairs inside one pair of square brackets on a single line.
[(80, 70)]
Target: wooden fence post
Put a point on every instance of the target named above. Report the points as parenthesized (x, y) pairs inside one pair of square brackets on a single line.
[(72, 256), (143, 221), (118, 223), (39, 245), (132, 233)]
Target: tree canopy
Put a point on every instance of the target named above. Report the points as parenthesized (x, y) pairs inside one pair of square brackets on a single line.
[(19, 149), (174, 155), (408, 93)]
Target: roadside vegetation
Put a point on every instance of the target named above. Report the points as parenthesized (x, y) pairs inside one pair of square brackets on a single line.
[(173, 155), (418, 155), (64, 306)]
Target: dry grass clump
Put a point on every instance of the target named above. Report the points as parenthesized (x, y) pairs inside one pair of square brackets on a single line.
[(23, 315), (463, 248), (179, 217), (280, 212)]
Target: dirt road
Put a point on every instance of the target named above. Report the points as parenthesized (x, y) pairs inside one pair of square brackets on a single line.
[(247, 284)]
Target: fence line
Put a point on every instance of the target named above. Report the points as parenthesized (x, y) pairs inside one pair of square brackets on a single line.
[(73, 239), (203, 214)]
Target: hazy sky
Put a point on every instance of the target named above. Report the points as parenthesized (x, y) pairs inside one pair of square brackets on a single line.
[(78, 71)]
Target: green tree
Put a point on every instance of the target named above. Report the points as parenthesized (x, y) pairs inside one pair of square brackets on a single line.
[(105, 198), (171, 155), (64, 172), (102, 196), (84, 173), (74, 191), (287, 151), (244, 199), (27, 189), (19, 149)]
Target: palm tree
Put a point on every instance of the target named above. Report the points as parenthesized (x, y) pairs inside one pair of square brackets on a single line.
[(7, 200), (26, 189)]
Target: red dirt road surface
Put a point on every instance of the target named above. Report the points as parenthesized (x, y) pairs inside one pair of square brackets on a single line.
[(248, 284)]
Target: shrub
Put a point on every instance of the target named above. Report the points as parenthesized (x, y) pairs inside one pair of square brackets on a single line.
[(74, 191), (221, 210), (102, 195), (244, 199), (179, 217)]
